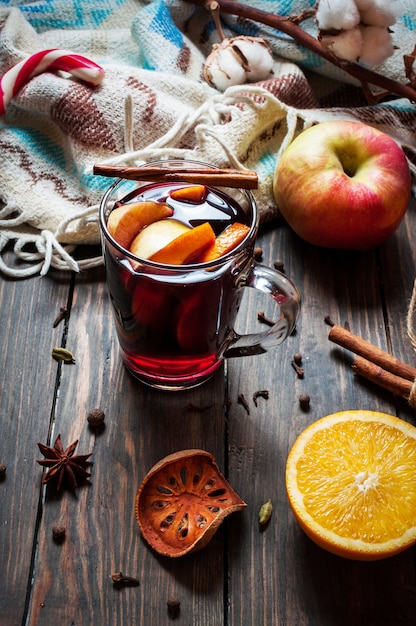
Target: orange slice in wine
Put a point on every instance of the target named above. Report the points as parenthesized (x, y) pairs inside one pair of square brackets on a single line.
[(187, 247), (156, 236), (225, 242), (191, 193)]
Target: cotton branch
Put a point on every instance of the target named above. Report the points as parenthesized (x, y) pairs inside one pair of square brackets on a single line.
[(289, 26)]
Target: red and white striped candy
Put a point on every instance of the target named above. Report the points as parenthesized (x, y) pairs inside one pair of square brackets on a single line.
[(47, 61)]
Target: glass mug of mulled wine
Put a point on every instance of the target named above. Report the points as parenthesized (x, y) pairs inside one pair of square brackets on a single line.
[(175, 323)]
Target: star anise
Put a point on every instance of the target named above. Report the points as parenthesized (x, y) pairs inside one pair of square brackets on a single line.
[(67, 469)]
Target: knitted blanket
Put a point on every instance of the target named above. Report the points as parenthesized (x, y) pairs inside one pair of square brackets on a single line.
[(153, 103)]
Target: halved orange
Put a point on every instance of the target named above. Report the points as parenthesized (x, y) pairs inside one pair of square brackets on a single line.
[(127, 220), (191, 193), (351, 484), (225, 242), (187, 247), (182, 501)]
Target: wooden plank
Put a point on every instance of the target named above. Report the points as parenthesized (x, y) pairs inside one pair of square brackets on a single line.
[(278, 576), (72, 581), (28, 375), (270, 576), (398, 260)]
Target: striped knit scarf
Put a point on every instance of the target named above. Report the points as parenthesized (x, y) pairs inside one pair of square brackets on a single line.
[(151, 104)]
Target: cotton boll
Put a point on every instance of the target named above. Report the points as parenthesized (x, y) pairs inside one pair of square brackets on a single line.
[(237, 60), (382, 13), (258, 55), (337, 14), (223, 67), (377, 45), (347, 45)]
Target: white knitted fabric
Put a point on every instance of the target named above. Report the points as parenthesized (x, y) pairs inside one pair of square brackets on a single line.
[(151, 104)]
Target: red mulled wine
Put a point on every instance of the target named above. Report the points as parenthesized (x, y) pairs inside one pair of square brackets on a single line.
[(173, 323)]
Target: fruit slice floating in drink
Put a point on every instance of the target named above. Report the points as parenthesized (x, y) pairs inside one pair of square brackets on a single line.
[(125, 221), (173, 235), (191, 193), (156, 236), (187, 247), (225, 242)]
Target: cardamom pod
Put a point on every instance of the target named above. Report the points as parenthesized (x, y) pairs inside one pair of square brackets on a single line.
[(265, 512), (62, 354)]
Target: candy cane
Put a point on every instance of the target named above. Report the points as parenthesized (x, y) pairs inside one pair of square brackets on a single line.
[(47, 61)]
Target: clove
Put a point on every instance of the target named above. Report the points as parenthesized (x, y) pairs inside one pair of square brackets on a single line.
[(297, 358), (58, 532), (119, 580), (258, 253), (264, 393), (244, 403), (174, 606), (299, 370), (61, 316), (304, 401), (196, 407), (263, 319)]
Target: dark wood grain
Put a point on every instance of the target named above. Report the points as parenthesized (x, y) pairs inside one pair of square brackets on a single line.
[(28, 379), (73, 581), (281, 577), (246, 575)]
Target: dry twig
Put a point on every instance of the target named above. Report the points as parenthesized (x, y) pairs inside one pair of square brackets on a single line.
[(289, 26)]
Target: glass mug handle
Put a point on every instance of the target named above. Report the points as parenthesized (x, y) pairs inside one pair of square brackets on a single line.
[(287, 298)]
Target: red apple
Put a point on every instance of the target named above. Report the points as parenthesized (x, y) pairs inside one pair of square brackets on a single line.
[(343, 184)]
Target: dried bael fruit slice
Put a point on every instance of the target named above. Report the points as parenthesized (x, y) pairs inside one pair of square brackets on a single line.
[(127, 220), (182, 501), (351, 483)]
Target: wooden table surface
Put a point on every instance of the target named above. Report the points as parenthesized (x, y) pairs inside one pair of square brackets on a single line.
[(245, 576)]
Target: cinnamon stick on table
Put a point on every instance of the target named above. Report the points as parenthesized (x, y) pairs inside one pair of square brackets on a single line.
[(381, 377), (348, 340), (373, 363), (244, 179)]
